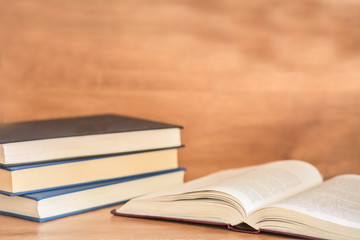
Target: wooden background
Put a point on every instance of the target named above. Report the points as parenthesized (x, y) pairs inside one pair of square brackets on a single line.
[(251, 81)]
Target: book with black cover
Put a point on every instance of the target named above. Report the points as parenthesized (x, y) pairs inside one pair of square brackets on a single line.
[(287, 197), (18, 180), (56, 139), (53, 204)]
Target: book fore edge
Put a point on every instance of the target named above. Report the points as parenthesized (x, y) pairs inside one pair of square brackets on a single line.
[(230, 227)]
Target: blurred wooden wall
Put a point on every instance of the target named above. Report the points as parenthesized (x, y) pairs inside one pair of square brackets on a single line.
[(251, 81)]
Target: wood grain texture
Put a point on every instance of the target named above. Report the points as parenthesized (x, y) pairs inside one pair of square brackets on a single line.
[(251, 81)]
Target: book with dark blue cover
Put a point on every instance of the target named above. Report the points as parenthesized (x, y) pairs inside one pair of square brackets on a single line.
[(52, 204), (58, 139)]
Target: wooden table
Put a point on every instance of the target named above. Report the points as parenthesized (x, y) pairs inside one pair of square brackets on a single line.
[(101, 224)]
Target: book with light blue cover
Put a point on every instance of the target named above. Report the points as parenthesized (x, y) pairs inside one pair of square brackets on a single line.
[(53, 204)]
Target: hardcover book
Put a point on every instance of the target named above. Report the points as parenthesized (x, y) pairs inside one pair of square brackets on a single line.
[(54, 204), (17, 180), (287, 197), (50, 140)]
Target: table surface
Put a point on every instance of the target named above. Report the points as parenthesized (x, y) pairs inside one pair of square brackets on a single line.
[(101, 224)]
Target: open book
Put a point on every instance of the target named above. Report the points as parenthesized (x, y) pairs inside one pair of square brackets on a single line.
[(287, 197)]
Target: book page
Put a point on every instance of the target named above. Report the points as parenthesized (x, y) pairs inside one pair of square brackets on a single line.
[(199, 184), (269, 183), (253, 186), (336, 200)]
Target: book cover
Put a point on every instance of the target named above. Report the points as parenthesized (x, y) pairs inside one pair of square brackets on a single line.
[(114, 212), (69, 138), (75, 126)]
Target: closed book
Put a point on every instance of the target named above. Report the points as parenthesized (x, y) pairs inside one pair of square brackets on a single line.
[(17, 180), (54, 204), (57, 139)]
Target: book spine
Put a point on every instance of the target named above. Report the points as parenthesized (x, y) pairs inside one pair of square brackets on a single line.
[(234, 228)]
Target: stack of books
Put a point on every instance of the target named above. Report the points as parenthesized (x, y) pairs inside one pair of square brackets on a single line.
[(55, 168)]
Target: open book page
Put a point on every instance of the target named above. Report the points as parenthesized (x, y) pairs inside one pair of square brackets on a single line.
[(191, 201), (252, 186), (336, 200), (269, 183), (199, 184)]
